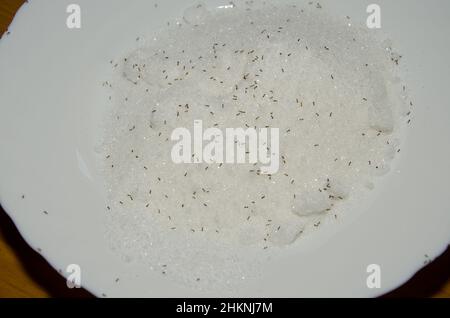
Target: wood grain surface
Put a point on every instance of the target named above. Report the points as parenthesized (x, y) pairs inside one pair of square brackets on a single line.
[(24, 273)]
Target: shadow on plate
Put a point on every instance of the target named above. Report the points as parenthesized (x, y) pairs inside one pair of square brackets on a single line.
[(426, 283)]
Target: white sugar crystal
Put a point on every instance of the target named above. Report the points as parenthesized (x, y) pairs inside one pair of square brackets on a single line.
[(287, 233), (331, 89), (196, 14), (310, 202)]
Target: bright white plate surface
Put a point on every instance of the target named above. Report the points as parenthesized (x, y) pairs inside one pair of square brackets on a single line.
[(50, 109)]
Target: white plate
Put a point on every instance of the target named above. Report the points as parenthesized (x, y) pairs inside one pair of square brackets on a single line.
[(50, 109)]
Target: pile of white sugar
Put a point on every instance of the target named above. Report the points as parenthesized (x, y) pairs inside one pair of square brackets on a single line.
[(329, 87)]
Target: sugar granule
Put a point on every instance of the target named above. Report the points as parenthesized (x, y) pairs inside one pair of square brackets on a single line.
[(332, 90)]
